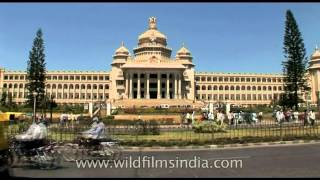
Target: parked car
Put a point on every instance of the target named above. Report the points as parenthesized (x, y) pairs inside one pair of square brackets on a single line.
[(164, 106)]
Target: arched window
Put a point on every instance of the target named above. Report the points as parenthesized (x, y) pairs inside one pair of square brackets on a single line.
[(65, 86), (274, 88), (248, 88), (54, 86), (77, 86), (231, 88), (59, 86), (238, 88), (100, 86), (106, 86), (259, 89), (48, 86), (209, 87), (203, 87), (226, 87), (197, 87), (95, 86), (220, 87), (254, 88), (215, 87), (71, 86), (269, 87), (88, 86), (83, 86), (243, 88), (15, 86), (5, 85)]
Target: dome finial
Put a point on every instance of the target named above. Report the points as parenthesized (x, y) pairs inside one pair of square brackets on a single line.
[(183, 44), (122, 43), (316, 46), (152, 23)]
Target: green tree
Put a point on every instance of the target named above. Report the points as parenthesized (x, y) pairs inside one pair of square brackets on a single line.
[(3, 100), (36, 71), (294, 65)]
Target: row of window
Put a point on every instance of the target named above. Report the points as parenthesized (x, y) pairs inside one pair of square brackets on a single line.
[(59, 86), (69, 77), (249, 88), (239, 97), (65, 95), (236, 79)]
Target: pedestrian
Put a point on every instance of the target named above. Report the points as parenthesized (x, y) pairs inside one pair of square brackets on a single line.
[(305, 118), (312, 117), (296, 116), (230, 117)]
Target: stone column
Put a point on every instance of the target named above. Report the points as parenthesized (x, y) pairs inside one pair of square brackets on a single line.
[(147, 77), (130, 87), (168, 86), (158, 87), (127, 85), (138, 87), (175, 86), (179, 89)]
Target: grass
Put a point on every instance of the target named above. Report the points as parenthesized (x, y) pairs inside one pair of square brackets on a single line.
[(189, 135)]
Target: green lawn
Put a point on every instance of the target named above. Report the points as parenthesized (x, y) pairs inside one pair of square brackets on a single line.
[(189, 135)]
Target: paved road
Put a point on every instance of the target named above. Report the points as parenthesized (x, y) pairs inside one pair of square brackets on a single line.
[(281, 161)]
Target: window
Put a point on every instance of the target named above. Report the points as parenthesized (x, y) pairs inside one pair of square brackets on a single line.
[(226, 79), (248, 88), (209, 87), (226, 88), (220, 88), (203, 88), (197, 87), (203, 78)]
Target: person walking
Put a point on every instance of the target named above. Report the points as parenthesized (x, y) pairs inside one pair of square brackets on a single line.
[(305, 118), (312, 117)]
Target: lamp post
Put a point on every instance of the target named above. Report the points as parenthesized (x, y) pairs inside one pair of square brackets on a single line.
[(34, 105)]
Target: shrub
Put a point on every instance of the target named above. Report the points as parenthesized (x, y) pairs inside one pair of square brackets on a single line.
[(147, 128), (208, 127)]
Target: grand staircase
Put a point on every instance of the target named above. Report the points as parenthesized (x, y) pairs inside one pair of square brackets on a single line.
[(126, 103)]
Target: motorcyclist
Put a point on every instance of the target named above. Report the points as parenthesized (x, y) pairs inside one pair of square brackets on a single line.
[(97, 130), (34, 137)]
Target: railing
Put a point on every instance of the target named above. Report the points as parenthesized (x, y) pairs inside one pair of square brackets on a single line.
[(180, 132)]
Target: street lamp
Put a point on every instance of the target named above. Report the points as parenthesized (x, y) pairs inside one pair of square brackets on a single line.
[(34, 105)]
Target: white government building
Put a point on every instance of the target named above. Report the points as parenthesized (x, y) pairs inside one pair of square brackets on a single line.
[(152, 77)]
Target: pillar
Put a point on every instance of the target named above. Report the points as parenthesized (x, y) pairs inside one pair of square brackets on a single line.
[(127, 85), (175, 86), (179, 89), (138, 87), (168, 86), (130, 86), (148, 94), (159, 85)]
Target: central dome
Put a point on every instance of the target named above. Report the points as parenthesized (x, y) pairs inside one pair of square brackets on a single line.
[(152, 34)]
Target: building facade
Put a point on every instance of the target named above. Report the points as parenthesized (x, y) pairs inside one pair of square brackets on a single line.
[(151, 74)]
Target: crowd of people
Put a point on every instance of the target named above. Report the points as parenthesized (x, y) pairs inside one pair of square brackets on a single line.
[(308, 116), (232, 117)]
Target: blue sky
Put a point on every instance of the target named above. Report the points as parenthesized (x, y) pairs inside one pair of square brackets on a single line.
[(222, 37)]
